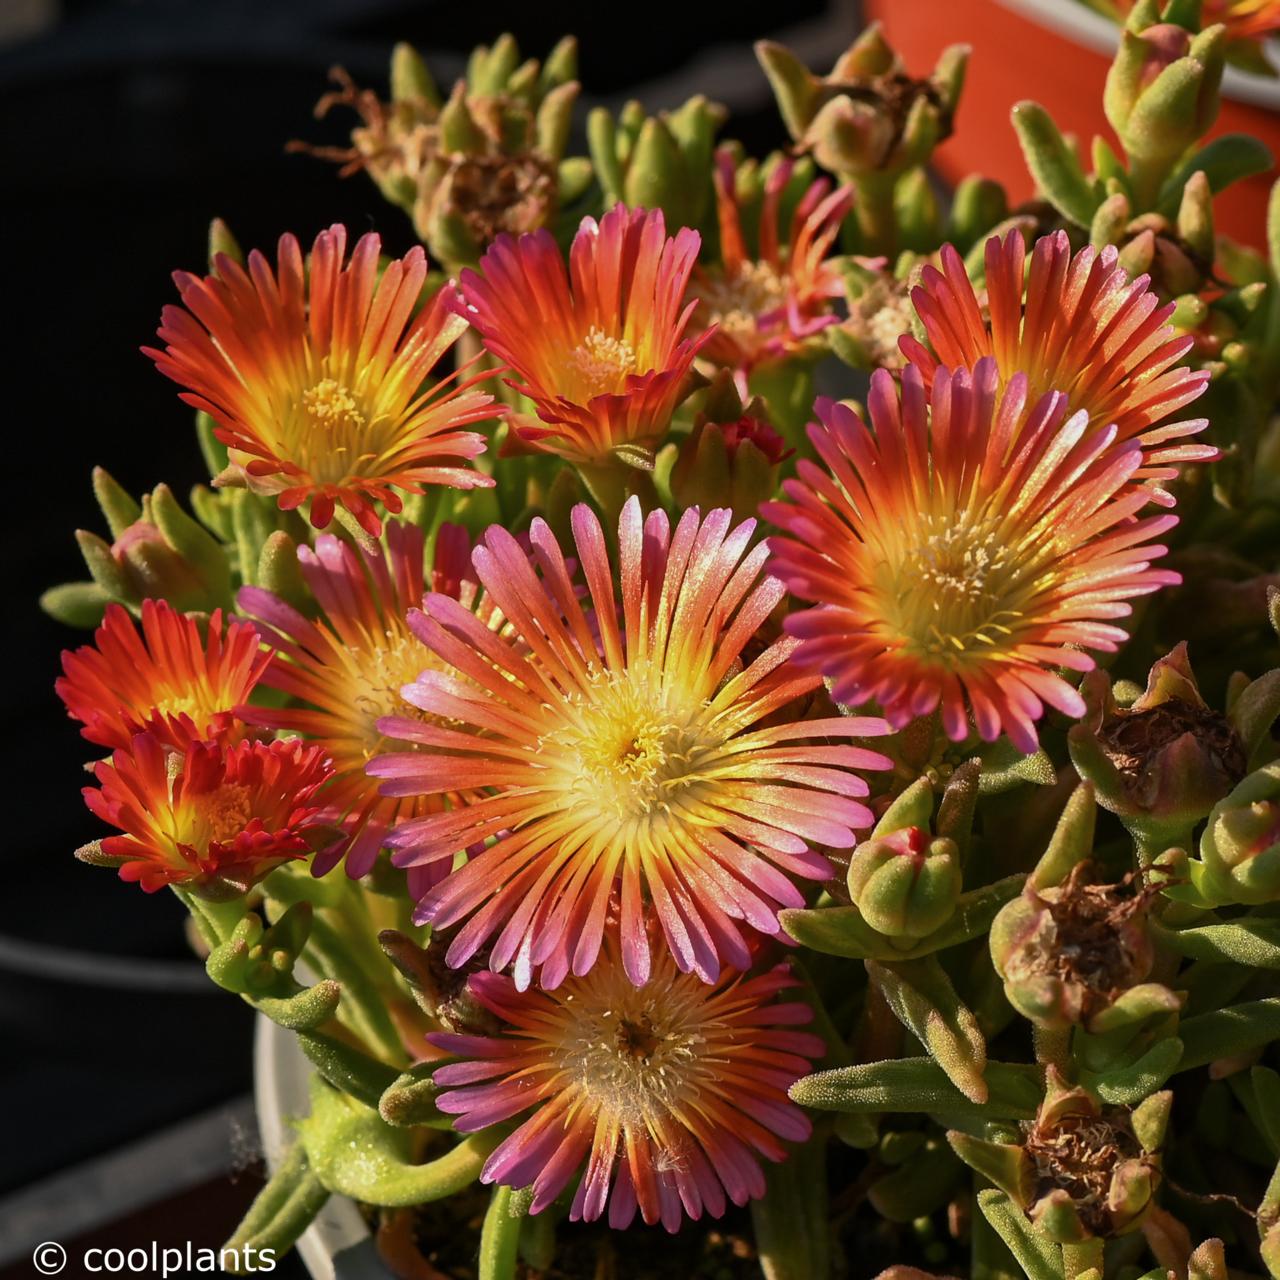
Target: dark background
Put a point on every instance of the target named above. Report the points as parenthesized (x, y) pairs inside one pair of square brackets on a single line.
[(127, 126)]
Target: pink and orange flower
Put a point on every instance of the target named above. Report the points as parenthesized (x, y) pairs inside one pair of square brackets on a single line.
[(215, 817), (663, 1097), (1243, 19), (347, 668), (597, 348), (163, 679), (619, 758), (961, 547), (764, 306), (316, 374), (1079, 326)]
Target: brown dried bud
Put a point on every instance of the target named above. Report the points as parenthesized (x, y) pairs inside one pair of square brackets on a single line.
[(1069, 952)]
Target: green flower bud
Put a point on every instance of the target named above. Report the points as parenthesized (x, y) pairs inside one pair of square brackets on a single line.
[(732, 455), (1162, 89), (905, 883), (158, 552), (1240, 847), (658, 162)]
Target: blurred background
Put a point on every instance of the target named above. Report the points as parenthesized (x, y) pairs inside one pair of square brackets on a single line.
[(128, 124)]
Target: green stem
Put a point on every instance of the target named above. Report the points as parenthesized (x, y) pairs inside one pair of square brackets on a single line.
[(499, 1238), (1146, 177), (283, 1210), (1077, 1259), (610, 484), (363, 1008), (874, 212), (1052, 1046)]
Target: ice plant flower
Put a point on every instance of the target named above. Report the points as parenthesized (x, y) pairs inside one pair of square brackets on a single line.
[(1248, 20), (764, 306), (315, 373), (597, 348), (161, 678), (1080, 326), (663, 1097), (215, 817), (344, 671), (962, 547), (620, 760)]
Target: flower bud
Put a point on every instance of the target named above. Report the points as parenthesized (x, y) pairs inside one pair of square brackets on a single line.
[(158, 552), (867, 116), (1162, 89), (441, 992), (661, 161), (905, 883), (1240, 847), (732, 455)]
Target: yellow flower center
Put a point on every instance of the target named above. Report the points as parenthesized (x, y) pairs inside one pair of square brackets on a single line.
[(955, 585), (632, 1052), (737, 299), (602, 362), (331, 405), (376, 675), (629, 748), (221, 815), (333, 427)]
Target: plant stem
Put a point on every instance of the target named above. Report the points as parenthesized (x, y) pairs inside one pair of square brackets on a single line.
[(873, 210), (499, 1238), (1052, 1046)]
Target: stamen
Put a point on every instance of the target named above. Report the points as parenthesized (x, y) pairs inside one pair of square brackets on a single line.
[(603, 362), (332, 406)]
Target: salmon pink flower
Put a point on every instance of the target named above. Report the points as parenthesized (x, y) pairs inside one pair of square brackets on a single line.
[(163, 679), (344, 671), (597, 348), (1079, 326), (218, 818), (769, 304), (624, 758), (962, 547), (316, 375), (663, 1097)]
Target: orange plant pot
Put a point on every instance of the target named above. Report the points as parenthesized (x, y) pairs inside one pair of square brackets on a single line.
[(1056, 52)]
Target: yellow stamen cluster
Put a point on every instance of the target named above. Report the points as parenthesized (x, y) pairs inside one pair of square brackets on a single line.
[(628, 748), (957, 586), (602, 362)]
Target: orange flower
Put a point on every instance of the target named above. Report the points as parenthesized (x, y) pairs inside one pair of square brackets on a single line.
[(1079, 326), (216, 817), (345, 671), (652, 759), (961, 549), (597, 348), (315, 375), (772, 304), (166, 681)]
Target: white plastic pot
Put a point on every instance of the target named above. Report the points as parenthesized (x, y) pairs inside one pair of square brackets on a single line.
[(337, 1245)]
